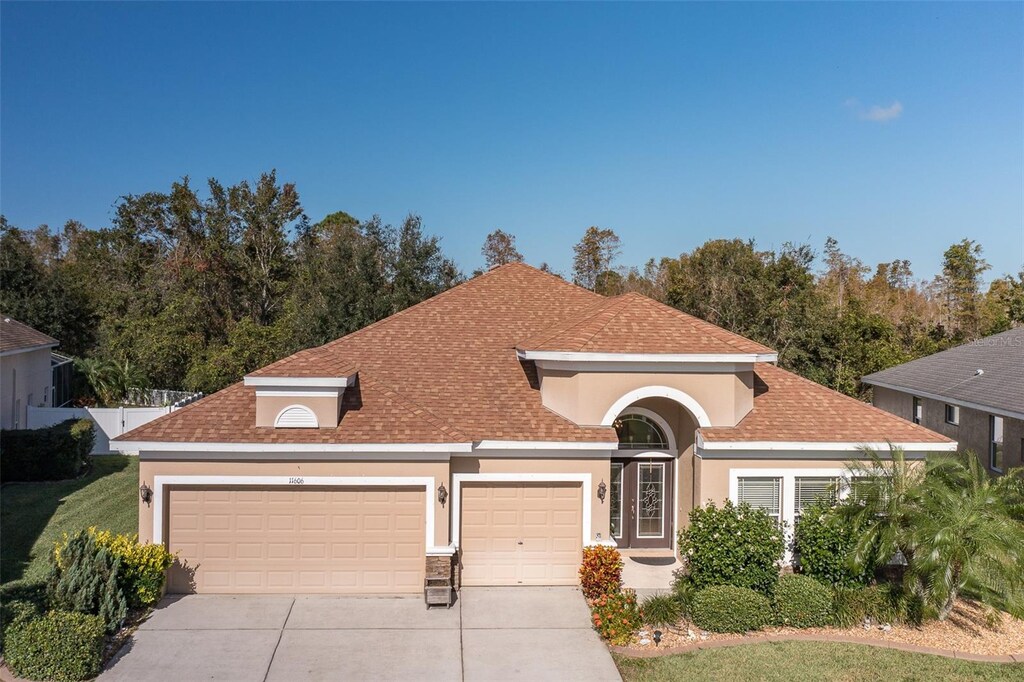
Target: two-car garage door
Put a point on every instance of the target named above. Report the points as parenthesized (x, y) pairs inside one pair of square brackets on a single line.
[(290, 539)]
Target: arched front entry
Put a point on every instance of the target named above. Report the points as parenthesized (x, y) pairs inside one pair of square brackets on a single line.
[(655, 426)]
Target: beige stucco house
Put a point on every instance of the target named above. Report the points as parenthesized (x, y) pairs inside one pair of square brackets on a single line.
[(493, 430), (26, 374)]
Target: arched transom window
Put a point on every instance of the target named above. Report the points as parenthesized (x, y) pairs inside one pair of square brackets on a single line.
[(638, 432)]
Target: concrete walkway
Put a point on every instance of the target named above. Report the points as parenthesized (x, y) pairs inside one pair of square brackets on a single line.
[(490, 634)]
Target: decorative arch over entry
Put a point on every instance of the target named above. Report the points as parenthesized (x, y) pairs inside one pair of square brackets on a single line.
[(675, 394)]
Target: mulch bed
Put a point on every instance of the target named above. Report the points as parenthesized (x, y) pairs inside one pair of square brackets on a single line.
[(967, 632)]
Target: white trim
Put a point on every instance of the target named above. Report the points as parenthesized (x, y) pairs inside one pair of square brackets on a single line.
[(622, 500), (946, 399), (657, 419), (773, 446), (457, 479), (311, 421), (543, 445), (28, 349), (659, 368), (646, 358), (448, 550), (296, 382), (664, 483), (157, 456), (137, 446), (161, 482), (675, 394), (314, 392)]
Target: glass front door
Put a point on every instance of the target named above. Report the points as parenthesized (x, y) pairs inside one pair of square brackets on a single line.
[(640, 499)]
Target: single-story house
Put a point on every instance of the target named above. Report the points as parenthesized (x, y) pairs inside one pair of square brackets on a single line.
[(26, 371), (973, 393), (490, 432)]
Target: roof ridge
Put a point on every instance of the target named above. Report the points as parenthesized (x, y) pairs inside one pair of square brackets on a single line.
[(621, 303), (731, 338), (580, 318)]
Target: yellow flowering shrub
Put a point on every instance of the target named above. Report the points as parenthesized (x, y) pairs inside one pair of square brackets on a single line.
[(143, 566)]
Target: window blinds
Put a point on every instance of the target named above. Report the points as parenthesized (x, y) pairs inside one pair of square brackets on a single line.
[(762, 493), (808, 489)]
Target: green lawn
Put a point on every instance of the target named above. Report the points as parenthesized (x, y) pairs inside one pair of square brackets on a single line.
[(35, 515), (798, 661)]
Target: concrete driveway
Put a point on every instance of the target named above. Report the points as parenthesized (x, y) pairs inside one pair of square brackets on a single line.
[(498, 633)]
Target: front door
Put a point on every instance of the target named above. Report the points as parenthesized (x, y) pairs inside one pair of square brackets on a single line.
[(641, 502)]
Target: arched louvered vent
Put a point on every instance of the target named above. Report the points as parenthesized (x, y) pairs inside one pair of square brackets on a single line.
[(296, 417)]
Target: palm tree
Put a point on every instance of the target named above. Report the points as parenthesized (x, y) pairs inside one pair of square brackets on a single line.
[(966, 538), (951, 521)]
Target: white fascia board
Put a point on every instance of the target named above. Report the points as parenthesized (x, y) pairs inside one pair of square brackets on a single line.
[(647, 358), (310, 392), (655, 367), (802, 446), (300, 382), (543, 445), (138, 446), (29, 349), (946, 399)]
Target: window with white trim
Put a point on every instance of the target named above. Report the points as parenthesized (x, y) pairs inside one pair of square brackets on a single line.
[(918, 412), (808, 489), (761, 492), (952, 415), (995, 442), (616, 500)]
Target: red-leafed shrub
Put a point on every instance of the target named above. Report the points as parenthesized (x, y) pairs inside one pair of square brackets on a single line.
[(616, 616), (601, 572)]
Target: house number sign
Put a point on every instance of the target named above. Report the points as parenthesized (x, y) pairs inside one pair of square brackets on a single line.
[(295, 480)]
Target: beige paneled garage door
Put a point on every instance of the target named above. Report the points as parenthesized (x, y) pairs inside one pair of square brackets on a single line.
[(521, 533), (341, 540)]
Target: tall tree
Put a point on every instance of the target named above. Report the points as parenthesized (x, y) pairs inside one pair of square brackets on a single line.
[(421, 269), (500, 249), (960, 287), (593, 257)]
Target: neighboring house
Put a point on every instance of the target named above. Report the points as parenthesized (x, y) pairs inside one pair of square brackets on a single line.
[(972, 393), (507, 423), (26, 371)]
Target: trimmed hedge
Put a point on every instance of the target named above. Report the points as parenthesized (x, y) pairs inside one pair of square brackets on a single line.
[(55, 453), (732, 545), (725, 608), (802, 602), (62, 646), (823, 546)]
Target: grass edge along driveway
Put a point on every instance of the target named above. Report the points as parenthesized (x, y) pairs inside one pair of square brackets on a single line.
[(33, 516), (805, 661)]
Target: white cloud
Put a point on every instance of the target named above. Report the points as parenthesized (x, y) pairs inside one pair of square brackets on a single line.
[(882, 114), (875, 113)]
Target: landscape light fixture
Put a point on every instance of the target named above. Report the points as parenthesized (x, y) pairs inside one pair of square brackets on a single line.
[(657, 637), (442, 494), (146, 493)]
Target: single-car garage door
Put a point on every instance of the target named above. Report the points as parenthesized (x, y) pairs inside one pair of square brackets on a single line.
[(260, 540), (521, 533)]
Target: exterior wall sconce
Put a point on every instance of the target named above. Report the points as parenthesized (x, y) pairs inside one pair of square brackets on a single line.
[(442, 494), (602, 490), (146, 493)]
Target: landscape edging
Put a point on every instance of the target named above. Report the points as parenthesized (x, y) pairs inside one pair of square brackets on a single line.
[(840, 639)]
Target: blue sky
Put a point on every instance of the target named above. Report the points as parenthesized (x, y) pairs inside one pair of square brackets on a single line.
[(899, 129)]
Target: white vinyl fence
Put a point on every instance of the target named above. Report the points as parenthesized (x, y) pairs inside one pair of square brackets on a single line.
[(110, 422)]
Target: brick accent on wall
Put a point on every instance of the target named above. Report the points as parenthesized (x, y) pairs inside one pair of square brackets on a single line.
[(441, 566)]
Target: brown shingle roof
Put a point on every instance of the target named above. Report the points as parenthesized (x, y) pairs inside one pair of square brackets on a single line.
[(16, 335), (632, 323), (789, 408), (446, 370)]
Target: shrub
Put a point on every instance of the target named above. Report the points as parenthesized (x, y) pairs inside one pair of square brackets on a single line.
[(143, 567), (84, 577), (852, 605), (616, 616), (824, 542), (725, 608), (601, 571), (61, 646), (14, 613), (20, 601), (661, 610), (732, 545), (50, 454), (802, 602), (683, 591)]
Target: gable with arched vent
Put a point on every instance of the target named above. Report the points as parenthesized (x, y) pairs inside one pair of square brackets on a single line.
[(296, 417)]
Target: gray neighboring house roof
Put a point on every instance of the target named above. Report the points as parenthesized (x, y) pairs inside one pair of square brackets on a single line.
[(953, 375)]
